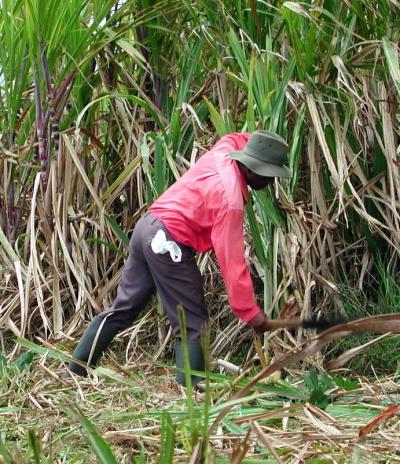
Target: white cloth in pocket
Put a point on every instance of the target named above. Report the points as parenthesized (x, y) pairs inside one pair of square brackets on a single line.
[(160, 245)]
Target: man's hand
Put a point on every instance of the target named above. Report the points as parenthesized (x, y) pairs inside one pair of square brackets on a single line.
[(259, 323)]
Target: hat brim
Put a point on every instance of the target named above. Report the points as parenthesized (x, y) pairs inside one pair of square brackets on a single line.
[(260, 167)]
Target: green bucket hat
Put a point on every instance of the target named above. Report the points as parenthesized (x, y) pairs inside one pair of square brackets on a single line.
[(265, 154)]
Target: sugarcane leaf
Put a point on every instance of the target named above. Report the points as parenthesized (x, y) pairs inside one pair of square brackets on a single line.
[(217, 119), (392, 57), (118, 230)]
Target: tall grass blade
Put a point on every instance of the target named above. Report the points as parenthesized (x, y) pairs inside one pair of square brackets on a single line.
[(35, 445), (168, 440), (117, 229), (392, 57), (99, 446), (188, 378), (4, 453)]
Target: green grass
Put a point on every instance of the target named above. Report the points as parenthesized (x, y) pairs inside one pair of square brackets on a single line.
[(128, 416), (383, 297)]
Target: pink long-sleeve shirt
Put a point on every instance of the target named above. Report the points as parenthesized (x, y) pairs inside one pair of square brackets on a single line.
[(204, 209)]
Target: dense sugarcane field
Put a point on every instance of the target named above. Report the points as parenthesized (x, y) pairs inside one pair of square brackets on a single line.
[(103, 105)]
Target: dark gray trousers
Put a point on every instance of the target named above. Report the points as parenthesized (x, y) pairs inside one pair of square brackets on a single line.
[(145, 272)]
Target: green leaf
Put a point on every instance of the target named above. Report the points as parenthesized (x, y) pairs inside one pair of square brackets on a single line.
[(256, 235), (168, 440), (142, 459), (5, 454), (216, 119), (35, 445), (319, 398), (194, 429), (191, 62), (10, 410), (160, 167), (175, 130), (279, 100), (232, 427), (392, 58), (41, 350), (250, 115), (117, 229), (268, 206), (7, 247), (346, 384), (317, 385), (106, 244), (24, 360), (3, 363), (239, 54), (99, 446)]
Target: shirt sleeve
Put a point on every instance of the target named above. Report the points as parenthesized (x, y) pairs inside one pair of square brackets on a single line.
[(228, 243), (233, 141)]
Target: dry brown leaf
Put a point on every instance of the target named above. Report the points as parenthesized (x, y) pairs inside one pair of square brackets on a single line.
[(350, 354), (388, 413), (263, 438), (374, 324)]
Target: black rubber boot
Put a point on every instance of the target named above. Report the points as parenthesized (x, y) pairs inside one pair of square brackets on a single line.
[(84, 347), (196, 360)]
